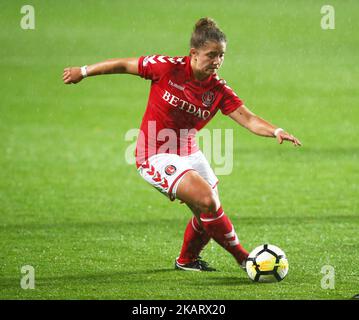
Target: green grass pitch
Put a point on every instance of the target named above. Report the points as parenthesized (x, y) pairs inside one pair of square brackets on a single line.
[(70, 205)]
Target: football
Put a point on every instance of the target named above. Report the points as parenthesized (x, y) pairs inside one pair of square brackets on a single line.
[(267, 263)]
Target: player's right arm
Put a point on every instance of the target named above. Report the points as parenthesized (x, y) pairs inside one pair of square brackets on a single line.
[(111, 66)]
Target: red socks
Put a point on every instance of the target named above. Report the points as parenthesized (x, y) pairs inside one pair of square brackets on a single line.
[(195, 238), (219, 228)]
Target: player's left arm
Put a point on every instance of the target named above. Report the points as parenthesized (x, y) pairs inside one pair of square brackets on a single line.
[(257, 125)]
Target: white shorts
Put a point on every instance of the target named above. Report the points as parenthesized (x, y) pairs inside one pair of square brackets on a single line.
[(165, 171)]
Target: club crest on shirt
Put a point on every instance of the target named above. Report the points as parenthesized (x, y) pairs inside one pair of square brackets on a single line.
[(170, 170), (208, 98)]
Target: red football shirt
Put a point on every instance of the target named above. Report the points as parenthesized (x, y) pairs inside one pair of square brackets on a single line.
[(178, 106)]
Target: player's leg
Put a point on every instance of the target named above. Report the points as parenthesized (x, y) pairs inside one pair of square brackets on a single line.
[(194, 240), (164, 172), (198, 194), (173, 175)]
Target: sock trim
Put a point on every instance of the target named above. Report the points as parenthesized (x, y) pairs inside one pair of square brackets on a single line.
[(212, 219)]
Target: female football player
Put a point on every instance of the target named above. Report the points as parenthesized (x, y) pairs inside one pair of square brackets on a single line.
[(185, 95)]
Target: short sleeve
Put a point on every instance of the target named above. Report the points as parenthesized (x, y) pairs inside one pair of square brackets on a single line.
[(153, 67), (230, 101)]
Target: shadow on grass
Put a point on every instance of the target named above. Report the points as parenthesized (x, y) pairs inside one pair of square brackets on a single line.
[(227, 281), (79, 225), (118, 225), (164, 275), (110, 276)]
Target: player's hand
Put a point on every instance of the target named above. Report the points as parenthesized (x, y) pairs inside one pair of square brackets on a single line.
[(72, 75), (282, 136)]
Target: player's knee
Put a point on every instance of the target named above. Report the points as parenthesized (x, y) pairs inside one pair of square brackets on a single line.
[(208, 204)]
